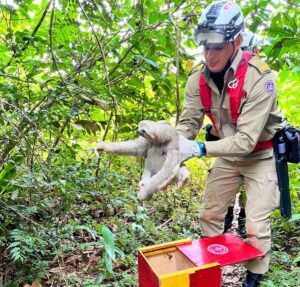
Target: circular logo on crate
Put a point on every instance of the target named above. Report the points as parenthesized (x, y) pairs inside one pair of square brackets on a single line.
[(217, 249)]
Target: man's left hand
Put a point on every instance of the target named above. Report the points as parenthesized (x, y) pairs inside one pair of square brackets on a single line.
[(189, 149)]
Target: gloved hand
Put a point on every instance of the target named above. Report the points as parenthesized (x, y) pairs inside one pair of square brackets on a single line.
[(208, 133), (190, 148)]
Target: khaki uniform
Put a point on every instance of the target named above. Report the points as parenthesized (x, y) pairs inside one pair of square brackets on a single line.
[(237, 164)]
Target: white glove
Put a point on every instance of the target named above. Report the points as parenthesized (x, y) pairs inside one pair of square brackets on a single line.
[(189, 149)]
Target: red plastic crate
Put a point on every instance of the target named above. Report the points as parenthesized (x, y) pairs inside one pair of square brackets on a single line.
[(192, 263)]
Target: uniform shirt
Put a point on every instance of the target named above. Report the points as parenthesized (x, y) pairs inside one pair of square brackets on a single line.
[(259, 119)]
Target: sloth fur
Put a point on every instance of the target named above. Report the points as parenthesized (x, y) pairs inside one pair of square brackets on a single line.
[(158, 143)]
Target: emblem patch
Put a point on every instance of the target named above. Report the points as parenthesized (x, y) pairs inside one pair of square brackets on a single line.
[(269, 87), (228, 5), (217, 249)]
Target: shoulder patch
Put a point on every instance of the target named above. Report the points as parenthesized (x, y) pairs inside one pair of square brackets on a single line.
[(269, 87), (260, 65), (198, 67)]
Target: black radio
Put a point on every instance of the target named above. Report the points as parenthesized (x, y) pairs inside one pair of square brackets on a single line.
[(292, 141)]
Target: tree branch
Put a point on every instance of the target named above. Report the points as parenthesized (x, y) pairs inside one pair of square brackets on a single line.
[(114, 101), (177, 43), (294, 4), (52, 52)]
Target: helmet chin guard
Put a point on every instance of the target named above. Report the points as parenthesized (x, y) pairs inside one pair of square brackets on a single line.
[(220, 22)]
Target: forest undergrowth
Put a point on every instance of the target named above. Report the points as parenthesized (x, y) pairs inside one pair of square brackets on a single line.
[(90, 238)]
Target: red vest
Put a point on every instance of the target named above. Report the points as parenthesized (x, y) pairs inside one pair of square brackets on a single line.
[(236, 93)]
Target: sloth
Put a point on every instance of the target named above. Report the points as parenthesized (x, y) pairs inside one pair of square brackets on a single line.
[(158, 143)]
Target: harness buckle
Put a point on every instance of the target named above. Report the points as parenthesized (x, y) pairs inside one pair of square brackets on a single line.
[(233, 84), (207, 110)]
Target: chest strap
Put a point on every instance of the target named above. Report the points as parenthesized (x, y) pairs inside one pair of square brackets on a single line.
[(205, 95), (263, 145), (236, 94), (235, 88)]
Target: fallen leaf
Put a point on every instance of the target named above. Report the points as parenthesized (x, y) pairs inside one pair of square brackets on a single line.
[(57, 270), (73, 259)]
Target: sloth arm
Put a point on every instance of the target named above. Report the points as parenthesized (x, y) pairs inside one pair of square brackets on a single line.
[(136, 147), (146, 175)]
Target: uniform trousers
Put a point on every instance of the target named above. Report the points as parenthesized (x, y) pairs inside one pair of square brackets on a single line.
[(261, 187)]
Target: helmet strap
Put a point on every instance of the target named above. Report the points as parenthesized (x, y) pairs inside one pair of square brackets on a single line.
[(230, 58), (233, 52)]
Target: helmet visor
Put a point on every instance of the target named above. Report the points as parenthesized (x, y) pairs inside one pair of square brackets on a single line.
[(202, 38)]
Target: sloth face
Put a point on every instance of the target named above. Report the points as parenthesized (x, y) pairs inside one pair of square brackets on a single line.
[(157, 132)]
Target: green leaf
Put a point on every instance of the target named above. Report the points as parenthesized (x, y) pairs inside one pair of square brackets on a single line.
[(108, 241), (153, 17), (3, 49), (92, 232), (148, 61), (295, 217), (296, 260), (77, 127), (108, 263)]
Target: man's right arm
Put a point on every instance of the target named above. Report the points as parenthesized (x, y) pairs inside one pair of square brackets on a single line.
[(191, 118)]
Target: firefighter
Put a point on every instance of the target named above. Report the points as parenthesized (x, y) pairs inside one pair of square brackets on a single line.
[(249, 44), (238, 93)]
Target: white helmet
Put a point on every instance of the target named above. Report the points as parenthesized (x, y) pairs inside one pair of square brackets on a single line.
[(220, 22), (250, 41)]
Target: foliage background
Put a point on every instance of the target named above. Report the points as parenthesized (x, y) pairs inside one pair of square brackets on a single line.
[(73, 72)]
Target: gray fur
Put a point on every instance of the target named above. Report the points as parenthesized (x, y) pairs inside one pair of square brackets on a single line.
[(158, 143)]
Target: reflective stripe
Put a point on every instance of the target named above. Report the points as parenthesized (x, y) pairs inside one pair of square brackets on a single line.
[(205, 95), (236, 94)]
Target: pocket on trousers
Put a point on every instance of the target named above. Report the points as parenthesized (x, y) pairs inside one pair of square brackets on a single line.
[(272, 176), (275, 194)]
